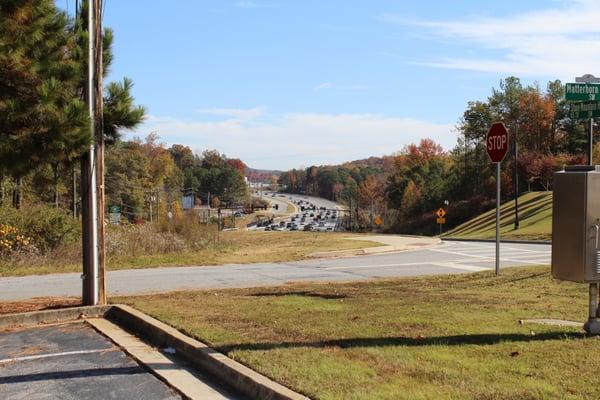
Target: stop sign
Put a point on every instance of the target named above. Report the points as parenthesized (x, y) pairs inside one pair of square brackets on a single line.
[(497, 142)]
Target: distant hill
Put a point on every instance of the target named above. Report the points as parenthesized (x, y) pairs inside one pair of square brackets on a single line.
[(255, 175), (384, 163)]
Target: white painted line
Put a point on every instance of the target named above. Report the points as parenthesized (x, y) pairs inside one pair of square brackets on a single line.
[(489, 258), (457, 253), (41, 356), (375, 266), (458, 263), (460, 266)]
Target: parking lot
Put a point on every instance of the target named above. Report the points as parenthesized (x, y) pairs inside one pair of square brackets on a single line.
[(72, 361)]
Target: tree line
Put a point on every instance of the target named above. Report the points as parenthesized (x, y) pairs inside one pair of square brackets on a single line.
[(406, 187), (44, 124)]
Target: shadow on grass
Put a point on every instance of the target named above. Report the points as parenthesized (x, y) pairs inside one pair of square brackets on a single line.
[(326, 296), (457, 340)]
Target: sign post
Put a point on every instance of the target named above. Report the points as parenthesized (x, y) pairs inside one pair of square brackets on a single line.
[(497, 146), (441, 213)]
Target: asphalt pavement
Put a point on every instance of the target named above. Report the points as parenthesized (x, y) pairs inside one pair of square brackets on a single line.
[(72, 362), (446, 258)]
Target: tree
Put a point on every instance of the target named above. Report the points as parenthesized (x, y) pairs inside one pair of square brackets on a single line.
[(43, 68), (537, 121), (42, 119)]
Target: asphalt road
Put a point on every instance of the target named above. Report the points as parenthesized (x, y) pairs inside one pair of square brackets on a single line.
[(447, 258)]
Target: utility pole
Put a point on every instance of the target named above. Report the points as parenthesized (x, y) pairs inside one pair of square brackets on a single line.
[(99, 139), (89, 202)]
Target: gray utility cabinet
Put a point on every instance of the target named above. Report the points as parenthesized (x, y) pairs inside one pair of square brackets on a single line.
[(576, 224)]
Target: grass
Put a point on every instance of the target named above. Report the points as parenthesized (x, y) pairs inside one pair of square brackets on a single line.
[(239, 247), (535, 220), (449, 337)]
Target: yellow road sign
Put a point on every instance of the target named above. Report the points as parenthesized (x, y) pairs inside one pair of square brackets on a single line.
[(441, 220), (378, 220), (441, 213)]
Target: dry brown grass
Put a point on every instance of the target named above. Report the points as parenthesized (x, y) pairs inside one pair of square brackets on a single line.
[(145, 247)]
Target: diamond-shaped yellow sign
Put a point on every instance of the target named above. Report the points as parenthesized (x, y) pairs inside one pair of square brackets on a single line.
[(378, 220), (441, 221), (441, 213)]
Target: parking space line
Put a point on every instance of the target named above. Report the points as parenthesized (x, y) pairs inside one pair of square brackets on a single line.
[(63, 354)]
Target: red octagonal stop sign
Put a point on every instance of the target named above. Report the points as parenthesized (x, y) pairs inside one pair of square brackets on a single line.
[(497, 142)]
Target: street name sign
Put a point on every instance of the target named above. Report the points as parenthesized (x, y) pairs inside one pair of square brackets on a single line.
[(497, 142), (585, 109), (582, 92)]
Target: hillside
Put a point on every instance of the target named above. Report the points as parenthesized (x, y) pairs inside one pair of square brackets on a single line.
[(535, 217)]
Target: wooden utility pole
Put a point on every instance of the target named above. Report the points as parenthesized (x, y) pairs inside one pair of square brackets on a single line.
[(89, 217), (99, 141)]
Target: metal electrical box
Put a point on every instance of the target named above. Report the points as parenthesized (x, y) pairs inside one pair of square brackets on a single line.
[(576, 224)]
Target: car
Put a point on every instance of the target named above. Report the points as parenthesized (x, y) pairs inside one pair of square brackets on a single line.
[(329, 228), (312, 215), (294, 228), (308, 228), (288, 225), (282, 223), (321, 224), (268, 228)]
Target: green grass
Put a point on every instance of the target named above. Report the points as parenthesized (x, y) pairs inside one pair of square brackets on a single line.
[(535, 220), (447, 337)]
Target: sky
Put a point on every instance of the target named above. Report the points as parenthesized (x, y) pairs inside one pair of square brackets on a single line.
[(287, 84)]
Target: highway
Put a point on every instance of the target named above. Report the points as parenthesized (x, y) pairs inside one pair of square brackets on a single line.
[(447, 258), (312, 213)]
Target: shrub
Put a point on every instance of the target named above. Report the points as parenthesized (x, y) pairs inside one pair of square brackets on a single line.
[(47, 226), (12, 241), (135, 240)]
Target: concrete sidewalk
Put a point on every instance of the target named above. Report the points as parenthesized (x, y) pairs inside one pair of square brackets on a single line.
[(390, 243)]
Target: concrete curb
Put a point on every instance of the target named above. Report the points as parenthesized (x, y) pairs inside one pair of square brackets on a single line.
[(51, 316), (238, 376), (451, 239)]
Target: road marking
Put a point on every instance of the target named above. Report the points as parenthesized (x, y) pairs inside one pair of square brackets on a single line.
[(457, 253), (375, 266), (503, 246), (41, 356), (460, 266), (491, 258)]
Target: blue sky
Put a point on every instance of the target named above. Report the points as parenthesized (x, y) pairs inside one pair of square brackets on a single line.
[(285, 84)]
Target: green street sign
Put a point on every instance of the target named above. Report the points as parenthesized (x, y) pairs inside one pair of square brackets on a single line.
[(584, 110), (582, 92)]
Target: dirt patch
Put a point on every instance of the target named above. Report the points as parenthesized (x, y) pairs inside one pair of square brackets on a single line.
[(38, 304)]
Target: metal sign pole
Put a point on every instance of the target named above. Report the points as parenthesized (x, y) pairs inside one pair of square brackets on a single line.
[(591, 142), (497, 219)]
